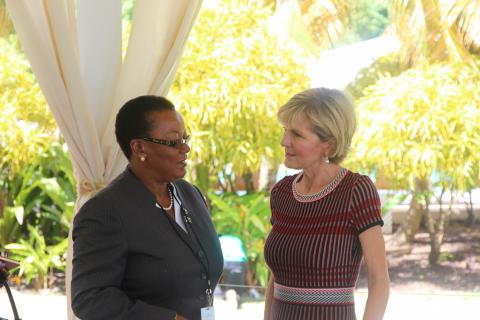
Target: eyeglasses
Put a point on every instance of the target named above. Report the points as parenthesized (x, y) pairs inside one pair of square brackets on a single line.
[(177, 143)]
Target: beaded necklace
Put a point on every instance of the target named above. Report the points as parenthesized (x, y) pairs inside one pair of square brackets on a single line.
[(171, 201), (320, 194)]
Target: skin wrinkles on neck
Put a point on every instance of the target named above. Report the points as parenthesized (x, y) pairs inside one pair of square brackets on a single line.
[(315, 179)]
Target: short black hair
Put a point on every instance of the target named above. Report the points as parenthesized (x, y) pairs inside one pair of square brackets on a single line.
[(133, 119)]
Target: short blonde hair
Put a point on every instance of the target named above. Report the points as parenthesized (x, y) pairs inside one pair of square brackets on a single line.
[(331, 114)]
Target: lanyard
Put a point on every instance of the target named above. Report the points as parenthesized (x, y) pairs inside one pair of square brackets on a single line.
[(198, 255)]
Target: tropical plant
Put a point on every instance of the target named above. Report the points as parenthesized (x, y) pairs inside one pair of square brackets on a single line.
[(35, 226), (368, 19), (10, 219), (26, 126), (384, 67), (247, 217), (326, 20), (231, 81), (437, 30), (422, 122), (37, 259), (42, 194), (36, 176)]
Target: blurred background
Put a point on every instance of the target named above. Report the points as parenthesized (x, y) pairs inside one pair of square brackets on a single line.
[(413, 70)]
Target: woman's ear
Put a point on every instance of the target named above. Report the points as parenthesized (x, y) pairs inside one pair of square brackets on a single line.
[(137, 147), (331, 146), (138, 150)]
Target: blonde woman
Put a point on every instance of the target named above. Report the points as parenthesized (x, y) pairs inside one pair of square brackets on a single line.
[(324, 219)]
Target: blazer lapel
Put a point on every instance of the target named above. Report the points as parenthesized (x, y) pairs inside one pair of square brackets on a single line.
[(193, 225), (146, 200)]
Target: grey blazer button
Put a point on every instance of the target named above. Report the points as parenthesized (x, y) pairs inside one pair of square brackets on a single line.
[(204, 276), (201, 254), (201, 297)]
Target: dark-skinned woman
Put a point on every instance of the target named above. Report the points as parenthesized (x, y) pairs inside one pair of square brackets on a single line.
[(145, 246)]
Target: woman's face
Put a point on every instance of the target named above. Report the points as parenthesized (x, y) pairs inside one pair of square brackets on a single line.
[(303, 147), (166, 162)]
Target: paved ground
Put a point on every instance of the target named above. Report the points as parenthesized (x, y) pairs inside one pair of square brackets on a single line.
[(401, 306)]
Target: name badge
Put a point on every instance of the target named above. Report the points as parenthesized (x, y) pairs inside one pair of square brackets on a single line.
[(208, 313)]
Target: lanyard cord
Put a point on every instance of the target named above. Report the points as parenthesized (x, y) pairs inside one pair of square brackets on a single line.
[(188, 225)]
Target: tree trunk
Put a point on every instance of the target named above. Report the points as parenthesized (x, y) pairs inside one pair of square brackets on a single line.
[(38, 283), (249, 183), (471, 214), (436, 229), (271, 176), (435, 237), (436, 43), (411, 224)]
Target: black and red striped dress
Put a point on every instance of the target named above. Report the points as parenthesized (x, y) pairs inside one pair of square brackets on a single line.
[(313, 248)]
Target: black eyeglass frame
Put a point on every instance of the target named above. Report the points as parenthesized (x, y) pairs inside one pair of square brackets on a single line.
[(177, 143)]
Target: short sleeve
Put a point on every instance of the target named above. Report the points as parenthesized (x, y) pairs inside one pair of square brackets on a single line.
[(365, 209), (273, 194)]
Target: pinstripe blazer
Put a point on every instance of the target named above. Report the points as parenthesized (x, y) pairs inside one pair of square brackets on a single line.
[(131, 262)]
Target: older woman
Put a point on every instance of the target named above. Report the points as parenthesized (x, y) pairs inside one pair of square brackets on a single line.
[(324, 219), (145, 247)]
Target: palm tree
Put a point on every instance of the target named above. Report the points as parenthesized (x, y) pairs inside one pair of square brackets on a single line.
[(437, 30)]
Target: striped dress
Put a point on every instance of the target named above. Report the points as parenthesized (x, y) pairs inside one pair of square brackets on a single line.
[(313, 247)]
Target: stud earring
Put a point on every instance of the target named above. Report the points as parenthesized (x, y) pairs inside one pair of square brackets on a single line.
[(142, 158), (327, 160)]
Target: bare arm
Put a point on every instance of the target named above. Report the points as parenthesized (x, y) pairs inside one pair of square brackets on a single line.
[(268, 298), (373, 246)]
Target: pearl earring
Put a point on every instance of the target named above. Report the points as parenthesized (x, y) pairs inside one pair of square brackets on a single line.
[(142, 158), (327, 160)]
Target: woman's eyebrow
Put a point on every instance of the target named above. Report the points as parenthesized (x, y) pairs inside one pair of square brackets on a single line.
[(296, 131), (178, 133)]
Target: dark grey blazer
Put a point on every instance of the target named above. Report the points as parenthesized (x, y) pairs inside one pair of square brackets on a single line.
[(131, 262)]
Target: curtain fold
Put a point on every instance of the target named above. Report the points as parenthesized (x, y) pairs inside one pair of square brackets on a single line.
[(84, 82)]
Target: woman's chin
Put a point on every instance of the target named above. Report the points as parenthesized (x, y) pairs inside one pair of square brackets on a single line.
[(291, 164), (180, 173)]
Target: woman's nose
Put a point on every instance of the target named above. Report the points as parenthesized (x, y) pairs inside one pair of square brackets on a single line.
[(185, 148), (285, 141)]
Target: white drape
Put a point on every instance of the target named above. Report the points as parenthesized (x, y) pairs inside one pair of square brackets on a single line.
[(74, 48)]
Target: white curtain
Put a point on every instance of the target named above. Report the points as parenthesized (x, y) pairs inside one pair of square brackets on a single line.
[(74, 48)]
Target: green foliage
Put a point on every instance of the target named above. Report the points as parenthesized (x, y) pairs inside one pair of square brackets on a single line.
[(445, 256), (247, 217), (368, 19), (6, 25), (42, 199), (315, 25), (436, 30), (10, 219), (393, 200), (231, 81), (37, 186), (384, 67), (422, 121), (37, 259), (26, 126), (128, 7), (42, 195)]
